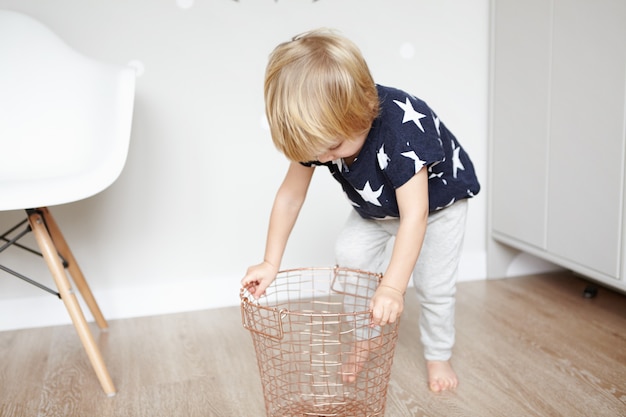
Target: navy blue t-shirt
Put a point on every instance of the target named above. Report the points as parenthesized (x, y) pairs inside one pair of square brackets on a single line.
[(406, 136)]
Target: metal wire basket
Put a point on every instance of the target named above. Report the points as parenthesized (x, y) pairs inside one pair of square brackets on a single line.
[(317, 353)]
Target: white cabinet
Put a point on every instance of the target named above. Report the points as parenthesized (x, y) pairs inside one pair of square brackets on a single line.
[(558, 123)]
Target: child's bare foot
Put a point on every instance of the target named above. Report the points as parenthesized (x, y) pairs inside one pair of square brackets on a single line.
[(358, 356), (441, 376), (354, 364)]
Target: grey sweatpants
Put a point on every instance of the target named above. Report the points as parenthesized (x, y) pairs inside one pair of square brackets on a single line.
[(362, 245)]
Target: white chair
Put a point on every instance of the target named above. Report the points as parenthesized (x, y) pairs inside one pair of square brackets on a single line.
[(65, 122)]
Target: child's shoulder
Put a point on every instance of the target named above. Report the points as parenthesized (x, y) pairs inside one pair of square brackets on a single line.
[(394, 93), (396, 98)]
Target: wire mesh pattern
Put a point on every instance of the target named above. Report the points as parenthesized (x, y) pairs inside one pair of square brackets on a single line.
[(316, 351)]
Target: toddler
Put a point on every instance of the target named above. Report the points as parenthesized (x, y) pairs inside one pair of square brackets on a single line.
[(404, 173)]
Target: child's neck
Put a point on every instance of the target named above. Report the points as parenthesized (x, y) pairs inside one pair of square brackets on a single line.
[(360, 139), (349, 160)]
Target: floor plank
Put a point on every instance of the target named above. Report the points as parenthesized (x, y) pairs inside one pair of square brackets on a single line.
[(530, 346)]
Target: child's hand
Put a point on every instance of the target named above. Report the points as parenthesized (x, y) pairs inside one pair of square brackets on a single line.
[(258, 278), (386, 305)]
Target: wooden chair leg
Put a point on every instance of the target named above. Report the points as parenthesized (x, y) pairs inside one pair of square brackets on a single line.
[(53, 261), (73, 268)]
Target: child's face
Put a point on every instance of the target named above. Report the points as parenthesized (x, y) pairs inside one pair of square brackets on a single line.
[(346, 149)]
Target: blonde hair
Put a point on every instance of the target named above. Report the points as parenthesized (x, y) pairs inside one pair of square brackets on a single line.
[(318, 90)]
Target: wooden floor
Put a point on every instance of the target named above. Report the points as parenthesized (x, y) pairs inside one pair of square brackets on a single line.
[(530, 346)]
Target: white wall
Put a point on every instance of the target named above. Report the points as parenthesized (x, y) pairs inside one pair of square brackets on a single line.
[(189, 213)]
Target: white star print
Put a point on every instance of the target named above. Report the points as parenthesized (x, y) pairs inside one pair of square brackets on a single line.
[(437, 123), (418, 162), (382, 158), (410, 114), (438, 175), (370, 195), (456, 160), (447, 205)]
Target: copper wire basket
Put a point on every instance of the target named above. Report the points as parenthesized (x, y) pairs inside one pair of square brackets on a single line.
[(317, 353)]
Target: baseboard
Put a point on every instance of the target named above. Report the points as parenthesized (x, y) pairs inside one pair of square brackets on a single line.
[(154, 299), (161, 298)]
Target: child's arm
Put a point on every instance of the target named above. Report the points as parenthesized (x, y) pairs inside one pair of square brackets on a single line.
[(388, 301), (289, 199)]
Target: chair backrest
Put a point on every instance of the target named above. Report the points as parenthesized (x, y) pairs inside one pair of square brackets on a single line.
[(65, 119)]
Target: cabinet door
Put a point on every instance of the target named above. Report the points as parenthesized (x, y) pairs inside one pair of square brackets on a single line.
[(586, 152), (520, 100)]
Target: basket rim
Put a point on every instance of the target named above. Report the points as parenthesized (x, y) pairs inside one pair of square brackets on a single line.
[(245, 301)]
